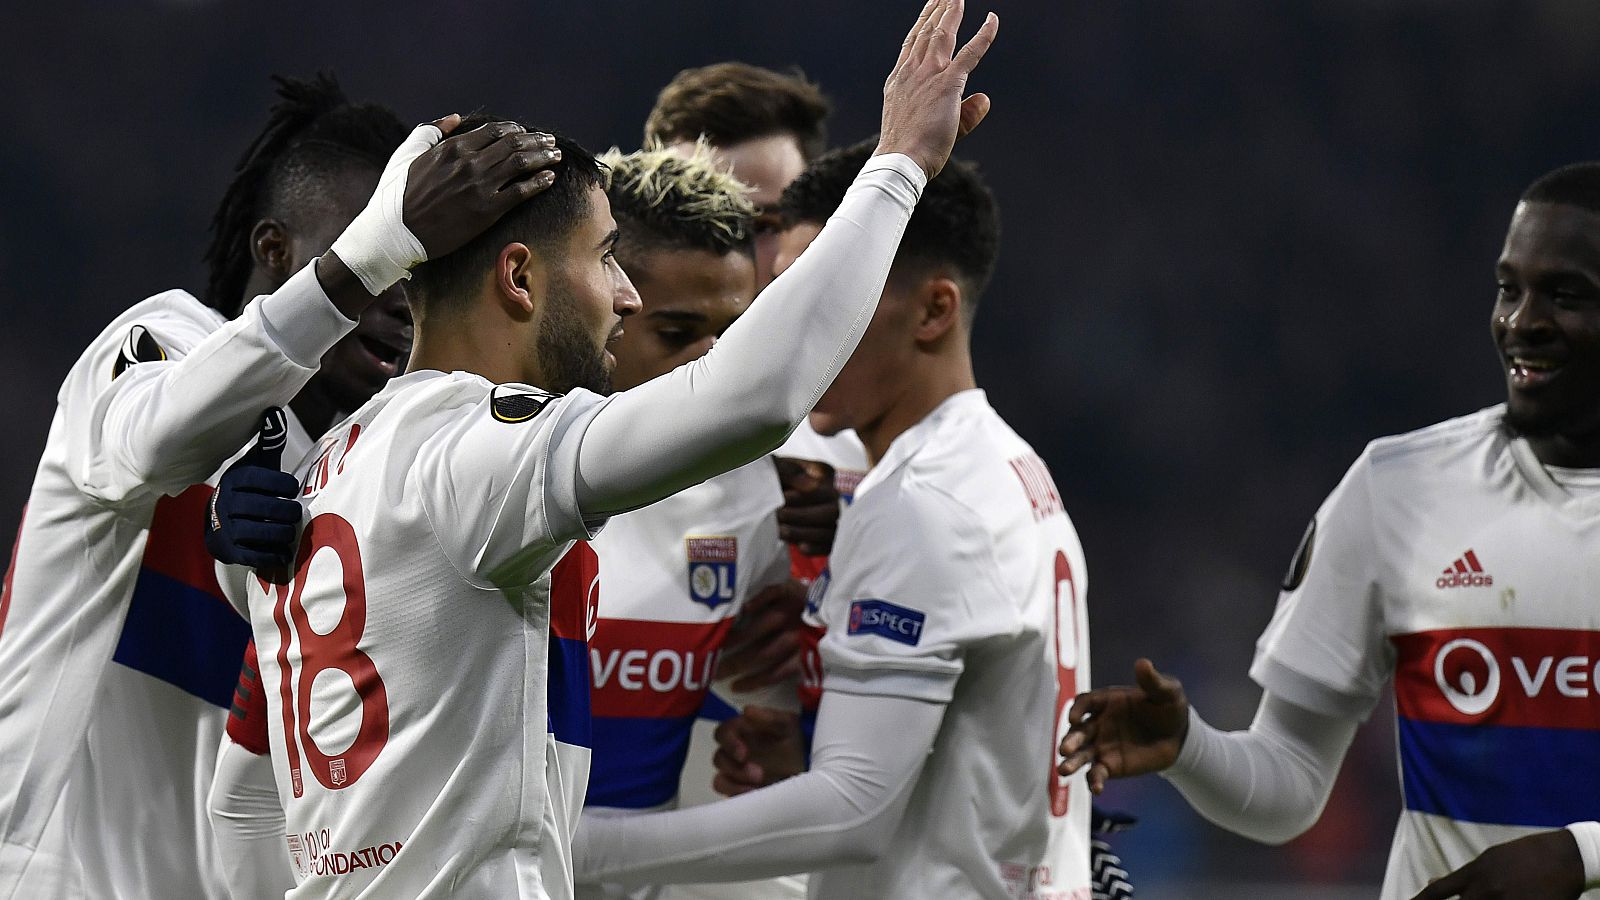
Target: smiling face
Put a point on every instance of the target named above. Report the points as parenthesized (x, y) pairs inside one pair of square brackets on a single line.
[(587, 296), (364, 360), (1546, 324), (689, 298)]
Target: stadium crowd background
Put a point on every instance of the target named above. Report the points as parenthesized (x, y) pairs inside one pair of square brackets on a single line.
[(1241, 239)]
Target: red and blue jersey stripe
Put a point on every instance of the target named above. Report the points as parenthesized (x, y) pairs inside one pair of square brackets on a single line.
[(180, 628), (1499, 725), (574, 603)]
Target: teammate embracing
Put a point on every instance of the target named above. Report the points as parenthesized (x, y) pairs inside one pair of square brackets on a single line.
[(1459, 563), (411, 657), (117, 651)]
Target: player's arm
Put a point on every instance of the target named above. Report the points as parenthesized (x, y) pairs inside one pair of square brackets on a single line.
[(168, 416), (1268, 783), (843, 811), (744, 397), (246, 815), (1558, 865)]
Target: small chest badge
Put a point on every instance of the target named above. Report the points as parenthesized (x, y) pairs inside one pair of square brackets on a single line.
[(712, 568)]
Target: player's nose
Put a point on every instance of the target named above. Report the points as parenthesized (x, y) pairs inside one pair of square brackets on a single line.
[(626, 300)]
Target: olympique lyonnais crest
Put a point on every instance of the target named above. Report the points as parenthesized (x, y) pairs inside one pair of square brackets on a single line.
[(336, 772), (712, 563)]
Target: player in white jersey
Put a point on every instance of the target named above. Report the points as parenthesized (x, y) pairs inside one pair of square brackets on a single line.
[(954, 608), (676, 573), (117, 650), (411, 657), (1459, 564), (764, 126)]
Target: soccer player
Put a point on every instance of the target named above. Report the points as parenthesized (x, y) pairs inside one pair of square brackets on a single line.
[(675, 574), (117, 653), (954, 609), (1457, 563), (765, 126), (411, 658)]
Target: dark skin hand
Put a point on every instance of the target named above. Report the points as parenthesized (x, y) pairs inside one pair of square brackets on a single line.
[(1123, 731), (763, 647), (454, 192), (761, 747), (1544, 866), (809, 517)]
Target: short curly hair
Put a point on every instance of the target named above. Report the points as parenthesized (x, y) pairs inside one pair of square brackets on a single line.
[(956, 223), (662, 199), (1577, 185), (730, 102)]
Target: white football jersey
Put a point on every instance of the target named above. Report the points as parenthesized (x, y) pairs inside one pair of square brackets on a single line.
[(1450, 563), (426, 673), (674, 576), (957, 578), (117, 649)]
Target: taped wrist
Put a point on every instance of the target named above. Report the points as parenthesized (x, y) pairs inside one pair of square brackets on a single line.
[(377, 246)]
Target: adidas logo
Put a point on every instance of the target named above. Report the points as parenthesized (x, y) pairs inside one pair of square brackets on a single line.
[(1466, 571)]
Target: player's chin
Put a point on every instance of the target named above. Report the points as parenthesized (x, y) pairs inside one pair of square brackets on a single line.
[(827, 422)]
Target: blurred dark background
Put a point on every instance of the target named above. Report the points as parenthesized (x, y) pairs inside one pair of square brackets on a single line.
[(1242, 239)]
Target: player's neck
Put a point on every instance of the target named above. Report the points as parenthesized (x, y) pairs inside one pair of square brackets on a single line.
[(465, 347), (315, 409), (1567, 451), (939, 380)]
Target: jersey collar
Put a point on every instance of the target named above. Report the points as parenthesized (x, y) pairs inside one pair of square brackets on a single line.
[(902, 448)]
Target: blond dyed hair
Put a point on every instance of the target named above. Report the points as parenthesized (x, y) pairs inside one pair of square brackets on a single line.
[(662, 198)]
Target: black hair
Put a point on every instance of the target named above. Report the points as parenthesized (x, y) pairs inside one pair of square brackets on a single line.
[(312, 132), (1577, 185), (544, 220), (729, 102), (956, 223)]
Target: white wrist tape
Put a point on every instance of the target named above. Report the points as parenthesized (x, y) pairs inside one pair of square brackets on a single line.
[(377, 245), (1588, 837)]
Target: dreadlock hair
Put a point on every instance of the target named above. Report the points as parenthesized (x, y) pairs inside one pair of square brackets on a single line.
[(1577, 185), (544, 221), (662, 200), (729, 102), (956, 223), (312, 134)]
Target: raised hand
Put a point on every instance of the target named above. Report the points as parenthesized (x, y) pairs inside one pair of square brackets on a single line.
[(1543, 866), (1123, 731), (809, 516), (923, 110), (434, 195)]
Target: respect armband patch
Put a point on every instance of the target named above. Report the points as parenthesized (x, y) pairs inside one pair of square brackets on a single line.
[(885, 619)]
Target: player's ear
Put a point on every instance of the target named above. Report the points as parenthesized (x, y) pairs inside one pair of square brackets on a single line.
[(269, 247), (939, 308), (519, 281)]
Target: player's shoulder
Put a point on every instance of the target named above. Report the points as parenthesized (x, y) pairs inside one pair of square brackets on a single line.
[(1437, 446), (164, 326)]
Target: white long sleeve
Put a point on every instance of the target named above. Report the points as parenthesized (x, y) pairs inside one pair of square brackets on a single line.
[(164, 424), (248, 821), (761, 379), (1270, 782), (844, 810)]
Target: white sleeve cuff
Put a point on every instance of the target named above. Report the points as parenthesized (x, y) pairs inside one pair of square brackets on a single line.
[(902, 165), (301, 319), (1587, 835)]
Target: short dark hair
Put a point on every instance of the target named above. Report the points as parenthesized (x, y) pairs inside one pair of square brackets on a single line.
[(730, 102), (663, 200), (312, 133), (1577, 185), (955, 224), (544, 220)]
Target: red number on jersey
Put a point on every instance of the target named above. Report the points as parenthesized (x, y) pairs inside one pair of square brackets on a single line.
[(1066, 613), (336, 650)]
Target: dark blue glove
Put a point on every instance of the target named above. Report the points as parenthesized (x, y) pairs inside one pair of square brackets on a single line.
[(252, 517)]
